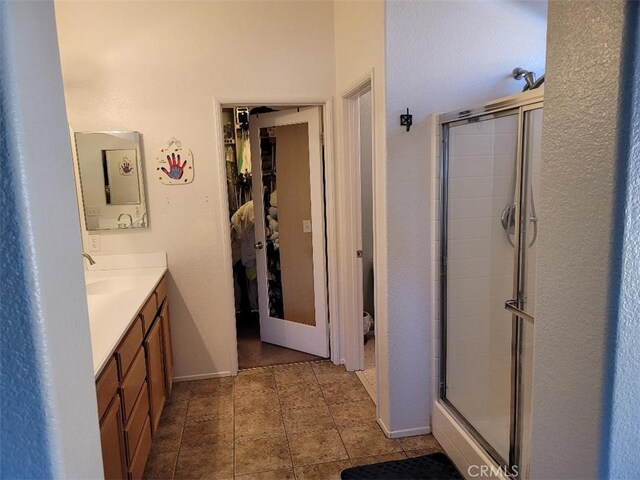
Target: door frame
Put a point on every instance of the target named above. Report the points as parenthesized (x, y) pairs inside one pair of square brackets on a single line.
[(354, 344), (330, 211)]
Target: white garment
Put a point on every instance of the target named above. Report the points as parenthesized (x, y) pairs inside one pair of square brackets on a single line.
[(242, 226)]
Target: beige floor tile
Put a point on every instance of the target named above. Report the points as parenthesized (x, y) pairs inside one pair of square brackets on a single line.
[(205, 407), (255, 379), (300, 396), (284, 474), (167, 438), (260, 424), (294, 374), (255, 455), (418, 442), (423, 451), (354, 414), (161, 466), (298, 420), (212, 387), (180, 390), (252, 401), (367, 441), (320, 446), (323, 471), (343, 392), (388, 457), (210, 432), (175, 410), (209, 462), (327, 372)]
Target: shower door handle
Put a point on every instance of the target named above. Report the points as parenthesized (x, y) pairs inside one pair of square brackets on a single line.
[(511, 306)]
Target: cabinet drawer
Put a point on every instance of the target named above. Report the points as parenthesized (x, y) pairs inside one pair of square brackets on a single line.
[(107, 386), (148, 313), (128, 348), (132, 383), (136, 468), (161, 292), (139, 416)]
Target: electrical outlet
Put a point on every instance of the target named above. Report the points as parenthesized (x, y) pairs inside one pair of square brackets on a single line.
[(306, 226), (94, 243)]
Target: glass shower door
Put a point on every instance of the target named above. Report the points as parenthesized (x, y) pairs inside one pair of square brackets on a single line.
[(490, 195), (479, 275)]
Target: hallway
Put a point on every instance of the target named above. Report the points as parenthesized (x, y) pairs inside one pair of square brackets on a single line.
[(302, 421)]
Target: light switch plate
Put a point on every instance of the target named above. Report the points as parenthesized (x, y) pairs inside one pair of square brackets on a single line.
[(94, 243), (306, 226)]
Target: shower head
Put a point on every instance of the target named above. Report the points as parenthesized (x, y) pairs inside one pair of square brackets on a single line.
[(529, 77)]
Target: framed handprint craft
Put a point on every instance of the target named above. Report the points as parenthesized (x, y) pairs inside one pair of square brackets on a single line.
[(175, 165)]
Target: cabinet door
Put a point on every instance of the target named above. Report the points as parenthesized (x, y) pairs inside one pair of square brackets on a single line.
[(167, 348), (113, 442), (155, 373)]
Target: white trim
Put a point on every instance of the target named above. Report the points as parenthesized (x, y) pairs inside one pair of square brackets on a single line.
[(227, 273), (331, 219), (203, 376), (461, 448), (407, 432), (352, 289)]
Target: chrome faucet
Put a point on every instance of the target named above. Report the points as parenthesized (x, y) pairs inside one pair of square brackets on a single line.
[(88, 257), (126, 215)]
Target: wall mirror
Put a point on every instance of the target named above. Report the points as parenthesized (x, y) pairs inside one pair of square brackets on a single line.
[(111, 180)]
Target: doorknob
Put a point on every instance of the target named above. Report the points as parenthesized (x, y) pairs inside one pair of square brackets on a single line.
[(258, 246)]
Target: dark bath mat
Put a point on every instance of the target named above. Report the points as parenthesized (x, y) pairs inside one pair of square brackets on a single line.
[(436, 466)]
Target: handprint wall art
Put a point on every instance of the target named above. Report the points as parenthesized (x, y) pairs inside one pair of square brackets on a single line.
[(175, 165)]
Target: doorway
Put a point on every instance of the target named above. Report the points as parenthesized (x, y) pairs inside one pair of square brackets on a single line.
[(274, 171), (359, 142)]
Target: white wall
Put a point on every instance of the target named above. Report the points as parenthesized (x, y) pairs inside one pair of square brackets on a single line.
[(359, 42), (155, 67), (58, 371), (580, 136), (439, 55)]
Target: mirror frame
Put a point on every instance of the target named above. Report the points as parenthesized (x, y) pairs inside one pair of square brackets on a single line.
[(138, 212)]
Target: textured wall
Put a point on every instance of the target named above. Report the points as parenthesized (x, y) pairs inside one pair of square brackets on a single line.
[(579, 151), (622, 415), (158, 75), (49, 416), (439, 56)]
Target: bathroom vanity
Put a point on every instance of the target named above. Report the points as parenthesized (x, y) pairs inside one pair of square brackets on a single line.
[(133, 362)]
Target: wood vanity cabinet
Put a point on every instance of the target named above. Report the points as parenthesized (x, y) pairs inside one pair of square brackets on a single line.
[(155, 372), (167, 348), (132, 388), (112, 442)]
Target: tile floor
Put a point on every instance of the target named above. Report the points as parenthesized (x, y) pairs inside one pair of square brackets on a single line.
[(370, 361), (253, 352), (301, 421)]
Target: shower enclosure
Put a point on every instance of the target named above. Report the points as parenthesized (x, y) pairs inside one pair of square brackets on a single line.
[(490, 163)]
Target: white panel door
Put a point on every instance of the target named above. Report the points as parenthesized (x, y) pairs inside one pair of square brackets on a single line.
[(288, 194)]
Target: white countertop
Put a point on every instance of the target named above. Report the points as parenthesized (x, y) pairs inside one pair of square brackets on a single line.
[(114, 298)]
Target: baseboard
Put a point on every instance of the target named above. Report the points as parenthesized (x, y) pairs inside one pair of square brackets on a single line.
[(202, 376), (407, 432)]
